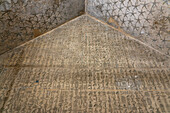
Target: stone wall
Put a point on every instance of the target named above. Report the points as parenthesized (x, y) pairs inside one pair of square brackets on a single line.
[(87, 68)]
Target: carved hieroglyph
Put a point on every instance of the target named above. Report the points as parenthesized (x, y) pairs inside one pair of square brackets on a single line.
[(84, 66)]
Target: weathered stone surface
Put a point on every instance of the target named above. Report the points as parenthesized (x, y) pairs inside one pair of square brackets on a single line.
[(20, 19), (147, 20), (84, 66)]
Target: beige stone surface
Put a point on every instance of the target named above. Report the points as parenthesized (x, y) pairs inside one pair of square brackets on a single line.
[(23, 20), (84, 66), (146, 20)]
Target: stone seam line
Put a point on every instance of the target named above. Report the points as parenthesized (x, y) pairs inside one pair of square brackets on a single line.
[(100, 21)]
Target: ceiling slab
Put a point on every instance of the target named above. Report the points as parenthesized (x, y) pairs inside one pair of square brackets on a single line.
[(146, 20), (23, 20)]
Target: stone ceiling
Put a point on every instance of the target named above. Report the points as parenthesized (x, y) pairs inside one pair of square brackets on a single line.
[(146, 20), (23, 20)]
